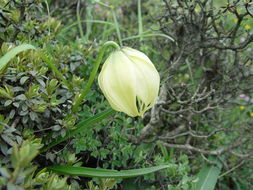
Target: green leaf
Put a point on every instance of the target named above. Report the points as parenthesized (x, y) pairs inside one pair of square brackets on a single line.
[(5, 93), (80, 127), (148, 36), (52, 65), (208, 175), (12, 53), (164, 151), (50, 62), (104, 173), (68, 27)]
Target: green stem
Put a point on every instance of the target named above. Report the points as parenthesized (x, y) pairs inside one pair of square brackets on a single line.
[(88, 24), (79, 19), (140, 20), (81, 127), (102, 4), (114, 18), (48, 14), (93, 74), (117, 27)]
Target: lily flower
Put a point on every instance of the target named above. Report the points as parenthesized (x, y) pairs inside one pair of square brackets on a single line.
[(129, 81)]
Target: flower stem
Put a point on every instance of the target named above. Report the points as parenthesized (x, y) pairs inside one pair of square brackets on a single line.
[(93, 74)]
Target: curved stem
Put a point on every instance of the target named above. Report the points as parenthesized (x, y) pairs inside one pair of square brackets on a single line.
[(93, 73)]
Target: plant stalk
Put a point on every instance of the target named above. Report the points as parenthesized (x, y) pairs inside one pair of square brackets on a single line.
[(93, 74)]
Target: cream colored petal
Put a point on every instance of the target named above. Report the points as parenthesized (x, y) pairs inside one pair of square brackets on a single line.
[(101, 80), (147, 77), (118, 83), (148, 82), (133, 53)]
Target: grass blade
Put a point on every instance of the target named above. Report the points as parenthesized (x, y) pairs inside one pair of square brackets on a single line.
[(117, 26), (208, 175), (147, 36), (79, 19), (104, 173), (52, 65), (68, 27), (12, 53), (80, 127), (140, 27)]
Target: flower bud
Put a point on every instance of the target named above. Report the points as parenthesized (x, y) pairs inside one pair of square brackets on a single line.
[(129, 81)]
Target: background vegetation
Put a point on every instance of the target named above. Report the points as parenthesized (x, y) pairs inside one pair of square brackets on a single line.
[(202, 121)]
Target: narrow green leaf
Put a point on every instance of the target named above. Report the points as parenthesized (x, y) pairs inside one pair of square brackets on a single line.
[(12, 53), (4, 93), (147, 36), (52, 65), (208, 175), (164, 151), (68, 27), (104, 173), (117, 28), (102, 4), (80, 127)]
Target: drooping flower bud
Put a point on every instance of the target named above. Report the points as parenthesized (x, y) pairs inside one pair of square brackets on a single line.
[(129, 81)]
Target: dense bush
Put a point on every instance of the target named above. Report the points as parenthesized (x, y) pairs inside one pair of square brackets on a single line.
[(203, 51)]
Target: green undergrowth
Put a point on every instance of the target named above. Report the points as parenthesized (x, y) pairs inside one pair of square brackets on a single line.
[(35, 104), (38, 88)]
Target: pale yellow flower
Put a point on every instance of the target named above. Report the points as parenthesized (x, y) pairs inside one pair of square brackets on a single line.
[(129, 81), (247, 27), (242, 107)]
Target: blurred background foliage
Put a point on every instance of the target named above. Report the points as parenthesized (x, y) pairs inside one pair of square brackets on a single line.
[(206, 77)]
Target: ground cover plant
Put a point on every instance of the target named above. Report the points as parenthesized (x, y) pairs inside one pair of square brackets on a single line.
[(57, 127)]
